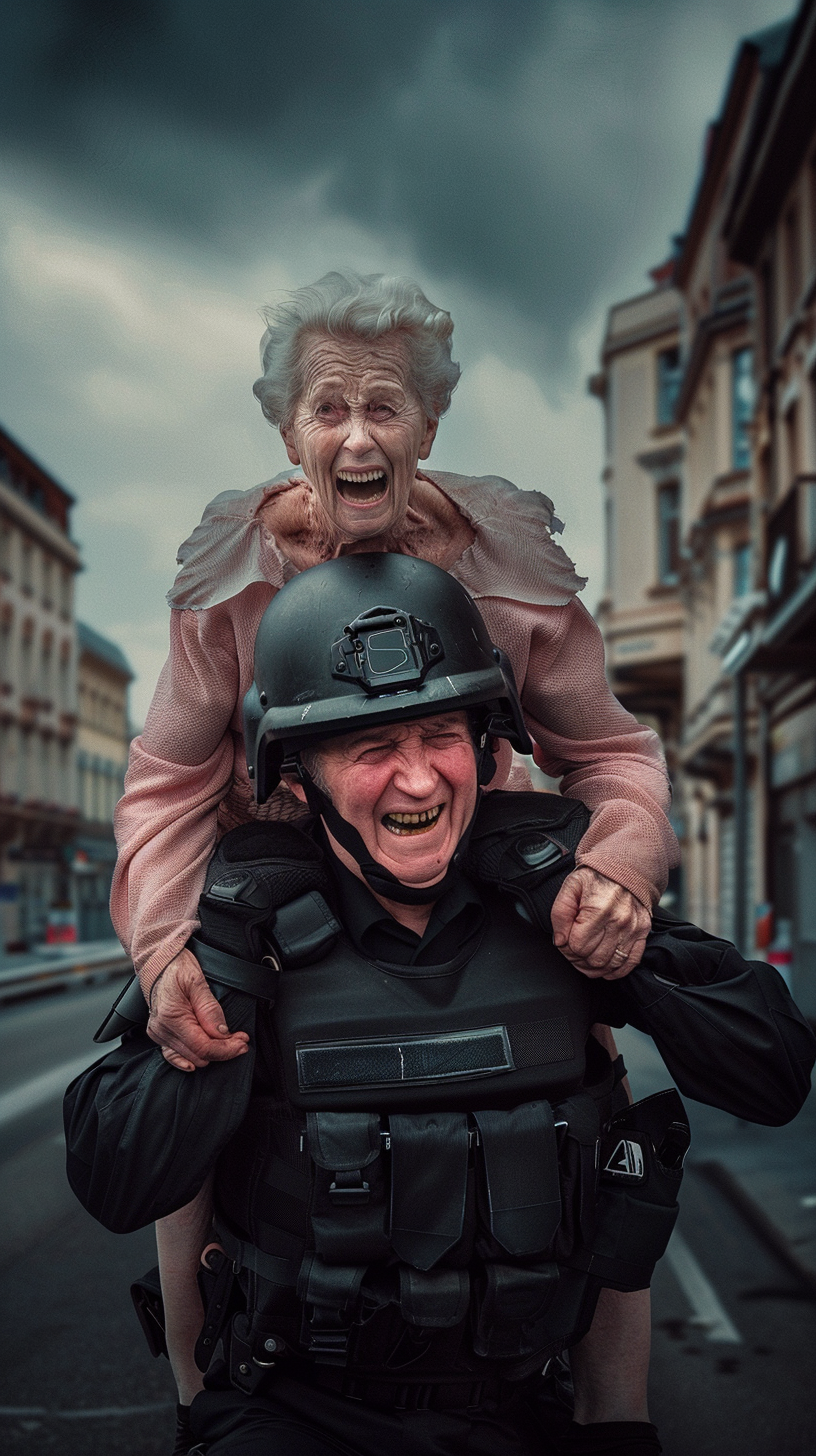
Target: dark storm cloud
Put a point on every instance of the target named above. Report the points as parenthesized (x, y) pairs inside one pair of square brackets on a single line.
[(508, 145)]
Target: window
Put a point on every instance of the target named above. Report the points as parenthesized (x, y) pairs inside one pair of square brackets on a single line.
[(742, 407), (668, 534), (768, 312), (669, 374), (812, 200), (5, 549), (46, 669), (27, 660), (792, 440), (28, 567), (66, 592), (742, 569), (793, 258)]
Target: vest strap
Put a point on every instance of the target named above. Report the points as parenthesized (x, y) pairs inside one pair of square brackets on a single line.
[(330, 1294), (521, 1165), (229, 970), (429, 1161), (248, 1256), (305, 930)]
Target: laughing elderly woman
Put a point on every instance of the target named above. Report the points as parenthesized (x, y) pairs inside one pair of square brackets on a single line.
[(357, 372)]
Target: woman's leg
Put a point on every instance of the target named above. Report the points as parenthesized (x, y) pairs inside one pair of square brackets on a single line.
[(180, 1239), (610, 1366)]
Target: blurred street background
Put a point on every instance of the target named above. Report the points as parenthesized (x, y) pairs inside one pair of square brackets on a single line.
[(617, 203)]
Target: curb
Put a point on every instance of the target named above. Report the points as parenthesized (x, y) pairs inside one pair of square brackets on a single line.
[(757, 1219)]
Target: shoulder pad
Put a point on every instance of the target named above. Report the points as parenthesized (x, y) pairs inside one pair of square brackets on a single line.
[(258, 873), (523, 844)]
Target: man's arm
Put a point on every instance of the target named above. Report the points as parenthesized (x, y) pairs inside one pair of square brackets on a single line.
[(141, 1138), (728, 1030)]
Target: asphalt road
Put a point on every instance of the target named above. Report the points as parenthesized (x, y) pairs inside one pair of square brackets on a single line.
[(734, 1332)]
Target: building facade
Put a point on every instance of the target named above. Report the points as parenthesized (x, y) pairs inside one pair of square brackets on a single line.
[(640, 612), (743, 746), (38, 705), (103, 738), (715, 409), (64, 732), (770, 230)]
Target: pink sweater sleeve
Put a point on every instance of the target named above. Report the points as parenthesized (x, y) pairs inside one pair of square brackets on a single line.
[(179, 770), (585, 737)]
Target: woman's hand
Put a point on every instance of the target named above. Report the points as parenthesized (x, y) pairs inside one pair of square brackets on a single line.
[(187, 1021), (598, 925)]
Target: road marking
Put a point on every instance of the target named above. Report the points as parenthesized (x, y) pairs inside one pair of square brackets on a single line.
[(44, 1088), (103, 1412), (709, 1314)]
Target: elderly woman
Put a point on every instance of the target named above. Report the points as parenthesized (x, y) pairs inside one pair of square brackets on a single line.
[(357, 372)]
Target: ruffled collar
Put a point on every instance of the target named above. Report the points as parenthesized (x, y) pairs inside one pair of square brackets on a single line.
[(512, 554)]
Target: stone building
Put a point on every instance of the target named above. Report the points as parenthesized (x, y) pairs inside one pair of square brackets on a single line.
[(103, 739), (741, 727), (770, 229), (640, 612), (38, 708), (715, 408)]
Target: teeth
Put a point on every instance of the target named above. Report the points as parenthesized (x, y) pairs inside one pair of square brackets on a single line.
[(360, 479), (410, 823)]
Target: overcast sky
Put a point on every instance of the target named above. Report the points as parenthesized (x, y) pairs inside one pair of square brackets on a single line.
[(167, 167)]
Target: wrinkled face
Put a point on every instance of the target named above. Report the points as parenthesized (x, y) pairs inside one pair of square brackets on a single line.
[(409, 789), (358, 431)]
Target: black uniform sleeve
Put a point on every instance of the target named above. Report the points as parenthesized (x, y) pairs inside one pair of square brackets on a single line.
[(141, 1136), (728, 1029)]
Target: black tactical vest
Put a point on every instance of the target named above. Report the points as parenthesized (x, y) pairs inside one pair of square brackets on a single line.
[(415, 1187)]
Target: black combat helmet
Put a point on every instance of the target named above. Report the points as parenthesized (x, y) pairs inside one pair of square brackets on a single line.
[(370, 639)]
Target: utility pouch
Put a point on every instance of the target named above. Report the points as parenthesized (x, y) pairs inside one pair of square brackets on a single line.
[(349, 1202), (641, 1169), (147, 1302), (510, 1306)]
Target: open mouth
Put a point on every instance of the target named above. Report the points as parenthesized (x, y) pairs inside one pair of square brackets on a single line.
[(413, 823), (362, 487)]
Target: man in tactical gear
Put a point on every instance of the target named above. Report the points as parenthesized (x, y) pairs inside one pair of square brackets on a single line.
[(424, 1170)]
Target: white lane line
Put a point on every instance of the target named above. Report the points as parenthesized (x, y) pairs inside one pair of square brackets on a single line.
[(103, 1412), (709, 1314), (27, 1095)]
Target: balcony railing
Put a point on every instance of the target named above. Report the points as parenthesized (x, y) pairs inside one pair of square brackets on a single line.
[(790, 540)]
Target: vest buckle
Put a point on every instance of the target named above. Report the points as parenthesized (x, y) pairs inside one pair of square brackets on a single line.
[(349, 1188)]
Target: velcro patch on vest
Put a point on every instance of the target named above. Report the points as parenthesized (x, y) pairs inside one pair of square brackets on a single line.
[(394, 1060), (626, 1161)]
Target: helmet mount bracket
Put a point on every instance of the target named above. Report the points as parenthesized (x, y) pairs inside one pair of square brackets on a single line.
[(386, 650)]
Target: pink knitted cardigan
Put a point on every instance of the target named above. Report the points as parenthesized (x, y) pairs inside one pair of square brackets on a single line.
[(187, 781)]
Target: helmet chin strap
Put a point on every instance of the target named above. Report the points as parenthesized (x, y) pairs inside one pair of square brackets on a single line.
[(377, 877)]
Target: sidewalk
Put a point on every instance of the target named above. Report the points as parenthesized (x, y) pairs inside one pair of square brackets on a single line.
[(767, 1173), (45, 967)]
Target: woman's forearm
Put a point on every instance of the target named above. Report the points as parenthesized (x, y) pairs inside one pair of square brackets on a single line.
[(180, 1238)]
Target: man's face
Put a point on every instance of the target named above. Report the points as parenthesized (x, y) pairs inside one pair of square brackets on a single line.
[(358, 431), (409, 789)]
